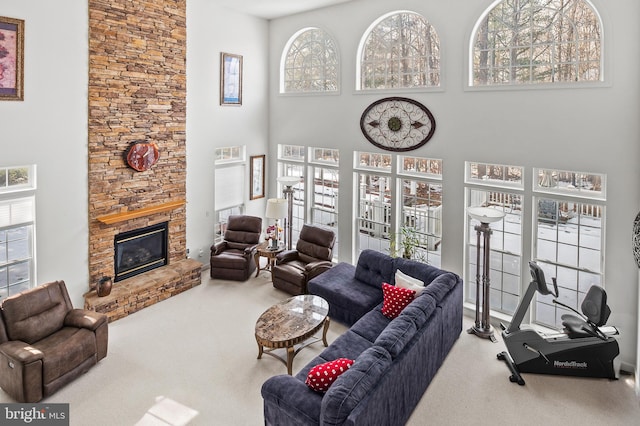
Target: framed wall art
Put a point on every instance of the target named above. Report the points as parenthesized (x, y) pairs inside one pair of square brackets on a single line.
[(257, 177), (230, 79), (11, 59)]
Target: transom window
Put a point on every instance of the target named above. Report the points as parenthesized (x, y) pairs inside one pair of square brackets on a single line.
[(537, 41), (400, 50), (310, 63)]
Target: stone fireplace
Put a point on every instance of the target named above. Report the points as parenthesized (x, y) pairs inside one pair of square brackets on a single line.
[(137, 93)]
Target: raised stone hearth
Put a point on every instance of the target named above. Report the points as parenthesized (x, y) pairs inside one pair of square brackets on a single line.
[(144, 290)]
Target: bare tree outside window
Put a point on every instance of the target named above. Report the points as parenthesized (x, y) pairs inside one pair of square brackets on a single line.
[(401, 51), (538, 41), (311, 63)]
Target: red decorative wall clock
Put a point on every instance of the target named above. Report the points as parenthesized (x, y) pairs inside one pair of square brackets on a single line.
[(142, 155)]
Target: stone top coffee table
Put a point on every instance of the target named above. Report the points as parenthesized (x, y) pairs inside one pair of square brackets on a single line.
[(289, 323)]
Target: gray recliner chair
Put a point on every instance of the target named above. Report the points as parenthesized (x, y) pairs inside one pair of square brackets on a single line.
[(311, 257)]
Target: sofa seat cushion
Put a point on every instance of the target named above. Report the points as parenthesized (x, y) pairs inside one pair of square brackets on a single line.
[(353, 386), (374, 268), (349, 300), (231, 259), (371, 324), (64, 350), (348, 345)]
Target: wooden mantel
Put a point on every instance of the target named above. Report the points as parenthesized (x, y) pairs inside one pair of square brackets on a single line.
[(110, 219)]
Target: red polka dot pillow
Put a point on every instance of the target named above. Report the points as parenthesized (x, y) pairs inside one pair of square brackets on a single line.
[(322, 376), (395, 299)]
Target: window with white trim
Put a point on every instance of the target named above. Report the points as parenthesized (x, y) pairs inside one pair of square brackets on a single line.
[(421, 204), (310, 63), (291, 163), (399, 50), (17, 229), (230, 179), (537, 42), (499, 187), (569, 237), (326, 184)]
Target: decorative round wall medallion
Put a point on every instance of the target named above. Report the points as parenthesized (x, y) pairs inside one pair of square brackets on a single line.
[(636, 240), (397, 124), (142, 155)]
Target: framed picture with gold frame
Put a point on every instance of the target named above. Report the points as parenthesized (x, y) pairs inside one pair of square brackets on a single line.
[(11, 59), (230, 79), (256, 177)]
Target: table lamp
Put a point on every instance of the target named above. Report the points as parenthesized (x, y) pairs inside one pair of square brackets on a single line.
[(276, 209)]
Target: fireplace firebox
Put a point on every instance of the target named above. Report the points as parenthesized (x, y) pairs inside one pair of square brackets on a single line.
[(140, 250)]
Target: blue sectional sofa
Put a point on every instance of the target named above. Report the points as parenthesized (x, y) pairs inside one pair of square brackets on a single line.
[(395, 360)]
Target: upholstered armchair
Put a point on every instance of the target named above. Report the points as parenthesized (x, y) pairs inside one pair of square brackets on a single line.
[(232, 258), (45, 343), (311, 257)]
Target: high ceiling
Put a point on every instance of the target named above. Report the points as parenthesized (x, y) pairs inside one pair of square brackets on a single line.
[(270, 9)]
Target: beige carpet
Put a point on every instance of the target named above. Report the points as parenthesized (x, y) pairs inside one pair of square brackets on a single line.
[(198, 349)]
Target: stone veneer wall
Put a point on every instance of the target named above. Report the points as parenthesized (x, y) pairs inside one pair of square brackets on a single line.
[(137, 92)]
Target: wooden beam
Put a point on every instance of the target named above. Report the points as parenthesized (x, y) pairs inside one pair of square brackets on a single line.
[(110, 219)]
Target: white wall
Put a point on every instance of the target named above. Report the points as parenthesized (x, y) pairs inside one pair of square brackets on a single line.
[(589, 129), (49, 129), (211, 30)]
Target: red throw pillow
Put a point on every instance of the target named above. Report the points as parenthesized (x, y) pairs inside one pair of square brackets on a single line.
[(322, 376), (395, 299)]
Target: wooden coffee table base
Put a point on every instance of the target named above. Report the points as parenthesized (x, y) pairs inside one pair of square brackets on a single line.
[(265, 347)]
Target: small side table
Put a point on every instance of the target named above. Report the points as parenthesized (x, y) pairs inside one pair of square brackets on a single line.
[(263, 250)]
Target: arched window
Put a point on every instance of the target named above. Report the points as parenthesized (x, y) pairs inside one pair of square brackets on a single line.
[(399, 50), (309, 63), (537, 41)]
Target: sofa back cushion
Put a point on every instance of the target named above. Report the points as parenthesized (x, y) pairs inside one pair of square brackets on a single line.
[(36, 313), (422, 271), (374, 268), (398, 333), (442, 285), (354, 385)]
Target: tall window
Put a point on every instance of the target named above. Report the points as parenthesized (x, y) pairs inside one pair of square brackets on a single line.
[(400, 50), (421, 204), (326, 183), (310, 63), (17, 229), (230, 178), (373, 181), (537, 41), (291, 162), (569, 237), (499, 187)]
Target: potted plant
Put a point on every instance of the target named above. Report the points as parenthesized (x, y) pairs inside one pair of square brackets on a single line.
[(406, 244)]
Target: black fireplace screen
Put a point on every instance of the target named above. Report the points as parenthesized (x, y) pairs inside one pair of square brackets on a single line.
[(140, 250)]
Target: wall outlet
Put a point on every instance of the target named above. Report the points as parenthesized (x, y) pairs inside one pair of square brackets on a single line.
[(200, 253)]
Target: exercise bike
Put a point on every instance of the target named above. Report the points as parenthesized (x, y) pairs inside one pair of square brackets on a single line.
[(586, 348)]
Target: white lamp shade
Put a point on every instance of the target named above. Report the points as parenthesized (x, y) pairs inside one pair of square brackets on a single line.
[(288, 180), (485, 214), (276, 208)]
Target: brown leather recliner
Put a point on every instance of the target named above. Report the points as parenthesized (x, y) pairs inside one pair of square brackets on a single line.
[(312, 256), (45, 343), (232, 258)]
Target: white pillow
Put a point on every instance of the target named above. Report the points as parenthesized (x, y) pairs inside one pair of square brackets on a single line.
[(405, 281)]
